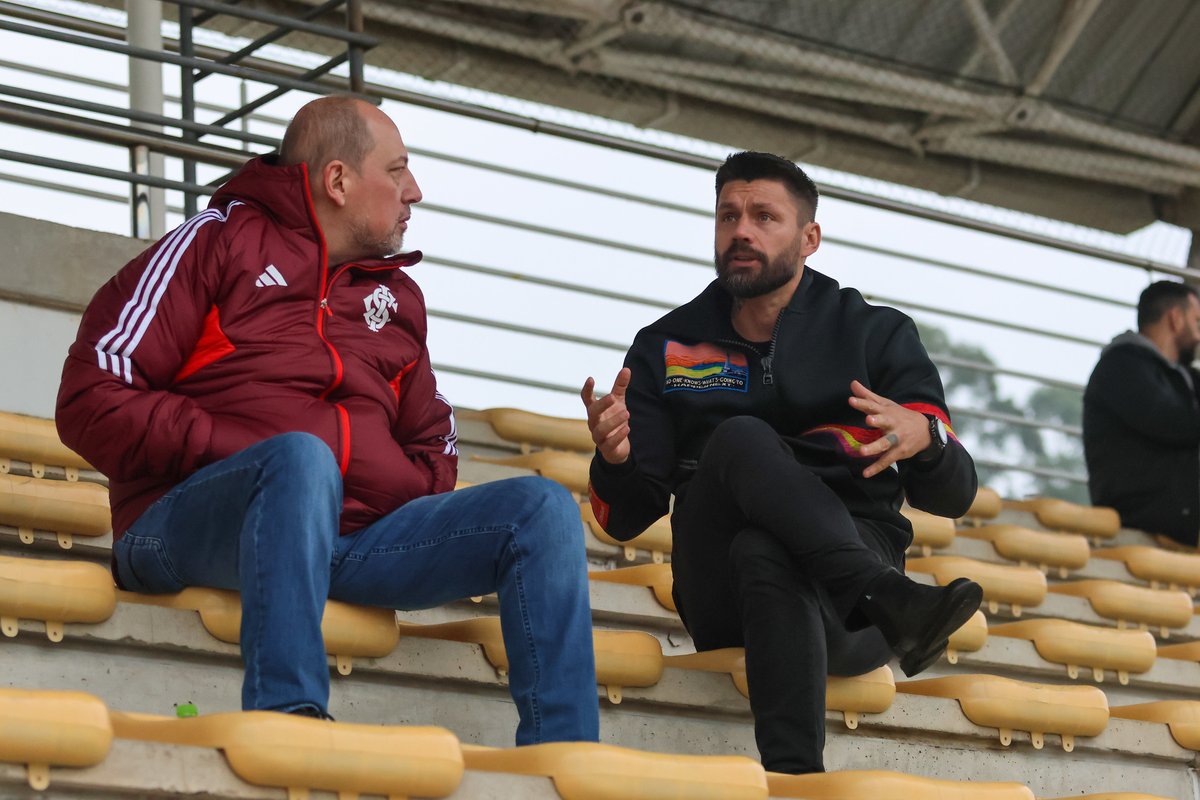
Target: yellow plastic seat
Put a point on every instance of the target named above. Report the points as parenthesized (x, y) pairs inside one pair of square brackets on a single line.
[(969, 638), (1113, 796), (870, 693), (986, 505), (1077, 645), (656, 539), (1064, 551), (1018, 586), (299, 754), (569, 469), (1184, 651), (69, 509), (1181, 716), (538, 430), (54, 592), (1159, 567), (44, 729), (929, 532), (1096, 522), (656, 577), (1010, 705), (588, 771), (623, 658), (880, 785), (348, 630), (36, 441), (1159, 608)]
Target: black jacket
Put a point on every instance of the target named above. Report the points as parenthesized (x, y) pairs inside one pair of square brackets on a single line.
[(1141, 438), (691, 371)]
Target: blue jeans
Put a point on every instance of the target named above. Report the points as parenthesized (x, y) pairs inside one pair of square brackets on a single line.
[(264, 522)]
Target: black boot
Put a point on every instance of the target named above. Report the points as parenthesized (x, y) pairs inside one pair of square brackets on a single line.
[(917, 620)]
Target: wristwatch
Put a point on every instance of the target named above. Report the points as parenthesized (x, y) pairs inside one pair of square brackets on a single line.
[(938, 439)]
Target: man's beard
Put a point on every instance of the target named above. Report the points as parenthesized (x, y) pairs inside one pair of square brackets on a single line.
[(372, 246), (772, 274)]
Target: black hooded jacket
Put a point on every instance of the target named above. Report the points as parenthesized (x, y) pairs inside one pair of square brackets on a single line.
[(691, 371), (1141, 438)]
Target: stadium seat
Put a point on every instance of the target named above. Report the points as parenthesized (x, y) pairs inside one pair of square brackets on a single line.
[(969, 638), (987, 505), (1158, 566), (44, 729), (1010, 705), (54, 592), (587, 771), (1077, 645), (1018, 586), (880, 785), (1124, 603), (1184, 651), (623, 658), (929, 532), (301, 754), (870, 693), (656, 539), (1063, 551), (36, 441), (1181, 716), (68, 509), (1112, 796), (535, 431), (569, 469), (656, 577), (349, 630), (1096, 522)]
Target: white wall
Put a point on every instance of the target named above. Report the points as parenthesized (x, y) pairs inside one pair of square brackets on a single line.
[(33, 344)]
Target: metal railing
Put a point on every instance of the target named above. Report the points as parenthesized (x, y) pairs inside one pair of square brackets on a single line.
[(52, 114)]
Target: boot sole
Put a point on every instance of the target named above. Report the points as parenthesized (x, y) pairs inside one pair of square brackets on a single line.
[(965, 597)]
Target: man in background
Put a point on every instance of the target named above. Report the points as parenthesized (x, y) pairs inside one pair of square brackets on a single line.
[(1141, 418)]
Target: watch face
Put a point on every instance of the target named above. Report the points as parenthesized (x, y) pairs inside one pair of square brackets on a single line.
[(940, 427)]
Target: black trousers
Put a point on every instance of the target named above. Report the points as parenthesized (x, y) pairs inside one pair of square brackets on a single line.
[(765, 556)]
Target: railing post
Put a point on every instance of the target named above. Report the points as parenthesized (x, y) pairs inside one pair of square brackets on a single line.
[(148, 205), (354, 22), (187, 101)]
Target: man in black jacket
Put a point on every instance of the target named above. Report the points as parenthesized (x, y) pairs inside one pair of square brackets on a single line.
[(790, 419), (1141, 418)]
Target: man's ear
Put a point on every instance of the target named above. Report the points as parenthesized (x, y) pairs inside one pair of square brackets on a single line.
[(812, 239), (335, 180)]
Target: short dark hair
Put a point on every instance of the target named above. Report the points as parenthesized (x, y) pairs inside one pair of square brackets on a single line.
[(1160, 297), (751, 166)]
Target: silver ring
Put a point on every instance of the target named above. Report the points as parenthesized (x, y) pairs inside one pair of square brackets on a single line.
[(893, 440)]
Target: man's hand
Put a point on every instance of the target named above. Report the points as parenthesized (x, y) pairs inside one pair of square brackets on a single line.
[(608, 418), (905, 432)]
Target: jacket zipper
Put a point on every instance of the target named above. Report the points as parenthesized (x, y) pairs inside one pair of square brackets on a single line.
[(768, 360), (324, 310)]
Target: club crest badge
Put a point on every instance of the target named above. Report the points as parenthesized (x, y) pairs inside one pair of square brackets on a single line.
[(379, 304)]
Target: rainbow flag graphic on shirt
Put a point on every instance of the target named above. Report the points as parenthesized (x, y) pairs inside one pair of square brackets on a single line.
[(704, 367)]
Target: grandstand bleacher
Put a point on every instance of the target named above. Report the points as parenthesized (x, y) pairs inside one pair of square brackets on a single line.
[(994, 720)]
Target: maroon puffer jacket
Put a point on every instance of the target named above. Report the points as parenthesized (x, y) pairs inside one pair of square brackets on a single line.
[(234, 328)]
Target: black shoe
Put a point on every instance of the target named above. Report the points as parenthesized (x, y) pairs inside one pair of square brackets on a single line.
[(917, 620)]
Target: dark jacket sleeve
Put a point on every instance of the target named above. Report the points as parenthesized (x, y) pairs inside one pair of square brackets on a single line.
[(1141, 393), (627, 498), (902, 372), (114, 404)]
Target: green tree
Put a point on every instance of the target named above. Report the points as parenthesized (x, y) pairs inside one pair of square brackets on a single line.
[(975, 389)]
